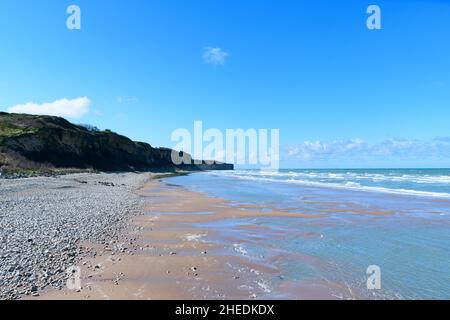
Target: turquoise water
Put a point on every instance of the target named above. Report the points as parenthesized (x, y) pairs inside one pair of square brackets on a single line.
[(396, 219)]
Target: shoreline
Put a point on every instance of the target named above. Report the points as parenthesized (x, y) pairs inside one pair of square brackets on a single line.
[(165, 254)]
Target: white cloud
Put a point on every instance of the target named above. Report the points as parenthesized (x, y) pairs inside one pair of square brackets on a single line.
[(214, 56), (357, 149), (75, 108)]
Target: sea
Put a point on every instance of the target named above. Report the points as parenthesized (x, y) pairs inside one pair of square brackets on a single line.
[(397, 220)]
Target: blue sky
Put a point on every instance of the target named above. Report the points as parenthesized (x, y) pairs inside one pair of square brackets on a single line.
[(341, 95)]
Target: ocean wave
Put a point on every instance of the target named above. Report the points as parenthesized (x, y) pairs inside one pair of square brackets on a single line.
[(348, 181), (374, 177), (354, 186)]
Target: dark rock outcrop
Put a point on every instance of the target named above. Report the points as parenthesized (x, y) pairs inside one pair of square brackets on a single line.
[(28, 141)]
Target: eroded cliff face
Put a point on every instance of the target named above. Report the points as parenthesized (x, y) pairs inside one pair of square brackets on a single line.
[(44, 141)]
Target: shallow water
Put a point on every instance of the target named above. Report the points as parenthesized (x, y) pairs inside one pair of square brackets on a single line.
[(405, 234)]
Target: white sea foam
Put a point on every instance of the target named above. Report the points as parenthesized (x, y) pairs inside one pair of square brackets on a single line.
[(352, 181), (240, 249), (194, 237), (264, 286)]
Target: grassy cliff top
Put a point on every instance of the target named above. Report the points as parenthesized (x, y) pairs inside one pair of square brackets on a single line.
[(14, 125)]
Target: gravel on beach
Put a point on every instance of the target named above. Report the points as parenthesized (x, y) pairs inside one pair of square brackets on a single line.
[(44, 219)]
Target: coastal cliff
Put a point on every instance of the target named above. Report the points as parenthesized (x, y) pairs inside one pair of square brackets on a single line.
[(32, 142)]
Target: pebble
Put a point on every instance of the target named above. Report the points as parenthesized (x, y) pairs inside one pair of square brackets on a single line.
[(44, 219)]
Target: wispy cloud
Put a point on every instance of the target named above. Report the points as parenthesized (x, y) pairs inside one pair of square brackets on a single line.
[(121, 100), (357, 149), (75, 108), (214, 56)]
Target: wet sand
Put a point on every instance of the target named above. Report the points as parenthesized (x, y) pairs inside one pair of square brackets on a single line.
[(164, 254)]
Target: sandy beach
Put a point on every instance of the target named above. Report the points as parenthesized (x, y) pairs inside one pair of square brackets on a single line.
[(162, 254), (203, 236), (43, 220)]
